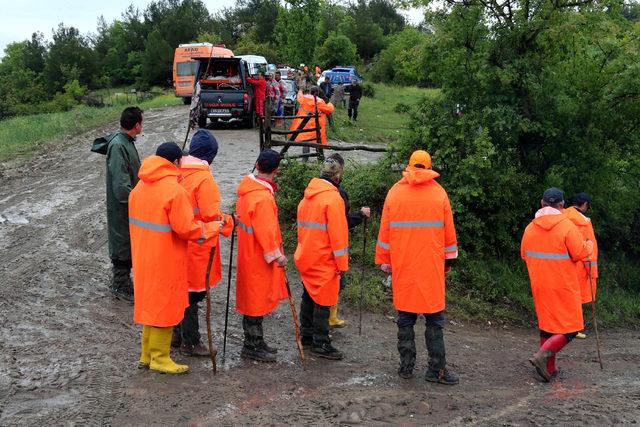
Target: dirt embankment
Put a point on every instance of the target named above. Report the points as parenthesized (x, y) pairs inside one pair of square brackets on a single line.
[(69, 350)]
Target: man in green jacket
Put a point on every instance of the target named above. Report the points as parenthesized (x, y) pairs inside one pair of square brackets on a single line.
[(123, 163)]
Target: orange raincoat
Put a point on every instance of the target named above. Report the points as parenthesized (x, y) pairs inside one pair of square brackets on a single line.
[(307, 105), (416, 235), (160, 222), (323, 241), (551, 247), (205, 200), (585, 227), (260, 282)]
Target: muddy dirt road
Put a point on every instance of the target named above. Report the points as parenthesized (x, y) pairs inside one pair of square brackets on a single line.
[(69, 350)]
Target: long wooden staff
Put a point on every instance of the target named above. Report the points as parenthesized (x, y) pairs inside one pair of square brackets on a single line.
[(226, 310), (296, 322)]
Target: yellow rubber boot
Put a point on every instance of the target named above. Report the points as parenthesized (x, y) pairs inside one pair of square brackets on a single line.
[(145, 356), (334, 322), (159, 347)]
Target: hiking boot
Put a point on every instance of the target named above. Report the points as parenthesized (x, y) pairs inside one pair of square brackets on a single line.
[(407, 350), (197, 350), (257, 353), (266, 347), (539, 361), (326, 351), (307, 341), (443, 376), (123, 294)]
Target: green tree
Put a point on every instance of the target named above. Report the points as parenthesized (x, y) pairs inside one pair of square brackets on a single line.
[(363, 31), (157, 60), (337, 49), (296, 31), (405, 59), (69, 51)]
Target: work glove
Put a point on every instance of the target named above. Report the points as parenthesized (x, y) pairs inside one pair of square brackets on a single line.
[(386, 268)]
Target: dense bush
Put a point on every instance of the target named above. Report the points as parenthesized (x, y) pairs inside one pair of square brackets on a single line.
[(404, 60)]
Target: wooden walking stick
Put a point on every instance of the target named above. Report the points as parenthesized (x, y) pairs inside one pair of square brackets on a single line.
[(296, 322), (212, 352), (226, 310), (593, 313), (364, 257)]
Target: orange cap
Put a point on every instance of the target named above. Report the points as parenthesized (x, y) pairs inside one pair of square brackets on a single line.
[(420, 158)]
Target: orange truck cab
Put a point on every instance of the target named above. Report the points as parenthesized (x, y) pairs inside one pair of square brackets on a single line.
[(185, 67)]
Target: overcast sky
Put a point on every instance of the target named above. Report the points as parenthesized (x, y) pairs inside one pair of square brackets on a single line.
[(21, 18)]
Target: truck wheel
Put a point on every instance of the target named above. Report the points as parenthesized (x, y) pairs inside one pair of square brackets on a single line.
[(186, 100), (202, 121)]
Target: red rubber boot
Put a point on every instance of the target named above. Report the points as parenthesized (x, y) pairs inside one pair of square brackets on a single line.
[(551, 363), (548, 350)]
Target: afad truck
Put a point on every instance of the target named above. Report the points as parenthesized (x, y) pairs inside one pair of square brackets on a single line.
[(185, 66)]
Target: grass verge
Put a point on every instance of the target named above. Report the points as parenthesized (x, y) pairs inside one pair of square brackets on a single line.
[(22, 135), (381, 119)]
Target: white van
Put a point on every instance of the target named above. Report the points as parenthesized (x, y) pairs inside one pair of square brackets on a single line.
[(255, 63)]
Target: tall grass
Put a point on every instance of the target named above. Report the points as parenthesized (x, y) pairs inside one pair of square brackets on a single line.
[(24, 134)]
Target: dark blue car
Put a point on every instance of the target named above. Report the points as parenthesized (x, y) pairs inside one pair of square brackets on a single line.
[(346, 75)]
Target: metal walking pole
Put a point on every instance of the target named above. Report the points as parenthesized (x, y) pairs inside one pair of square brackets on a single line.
[(593, 313), (212, 352), (226, 310), (364, 257)]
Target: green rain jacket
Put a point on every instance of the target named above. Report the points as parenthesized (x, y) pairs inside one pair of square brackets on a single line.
[(123, 163)]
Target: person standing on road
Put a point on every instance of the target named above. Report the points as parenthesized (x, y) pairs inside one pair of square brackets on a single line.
[(322, 257), (308, 106), (161, 222), (355, 93), (333, 172), (259, 92), (205, 200), (260, 277), (416, 244), (553, 249), (577, 214), (123, 163)]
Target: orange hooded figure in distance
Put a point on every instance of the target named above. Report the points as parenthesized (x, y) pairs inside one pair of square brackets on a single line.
[(323, 241), (416, 235), (551, 246), (308, 106), (161, 221), (585, 227)]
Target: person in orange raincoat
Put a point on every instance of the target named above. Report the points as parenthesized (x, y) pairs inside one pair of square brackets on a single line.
[(161, 221), (551, 247), (260, 277), (322, 256), (205, 200), (308, 106), (416, 244)]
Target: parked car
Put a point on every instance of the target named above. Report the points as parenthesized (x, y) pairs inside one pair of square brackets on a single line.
[(256, 63), (287, 72), (346, 75), (290, 94), (322, 77)]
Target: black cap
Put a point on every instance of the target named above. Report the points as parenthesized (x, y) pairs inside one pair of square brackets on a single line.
[(553, 195), (581, 198), (169, 151), (268, 160)]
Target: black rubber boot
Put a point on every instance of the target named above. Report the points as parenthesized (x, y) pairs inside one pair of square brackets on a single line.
[(437, 371), (252, 348), (407, 350), (321, 343), (266, 347), (121, 285), (306, 319)]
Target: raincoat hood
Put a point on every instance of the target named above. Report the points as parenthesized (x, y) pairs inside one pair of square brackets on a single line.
[(190, 165), (417, 176), (249, 183), (101, 145), (577, 217), (548, 217), (317, 186), (155, 168)]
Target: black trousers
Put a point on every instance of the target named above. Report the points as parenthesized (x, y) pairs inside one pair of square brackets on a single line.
[(121, 270), (431, 319), (569, 337), (314, 320), (353, 109), (189, 327)]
